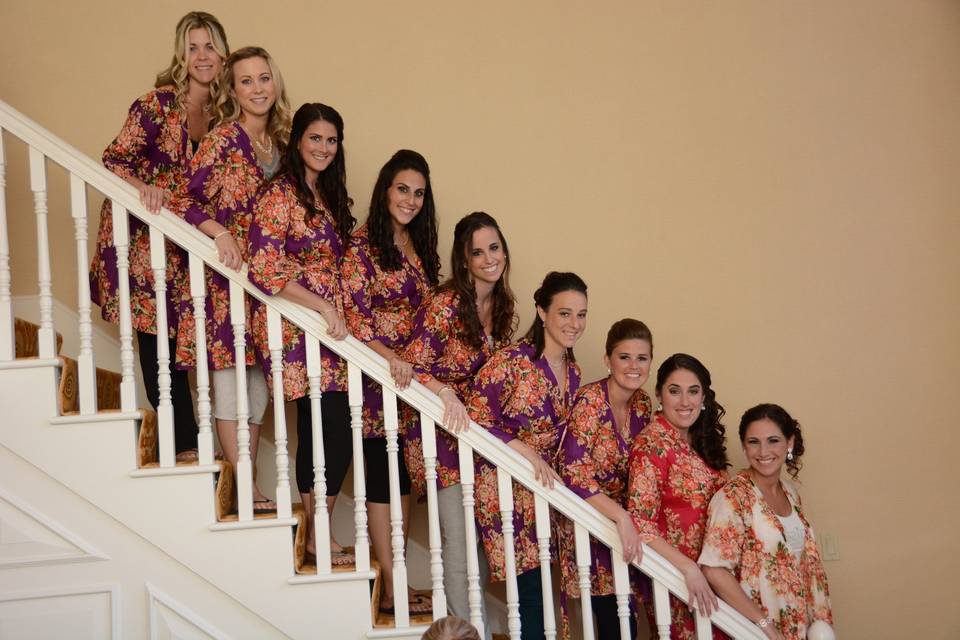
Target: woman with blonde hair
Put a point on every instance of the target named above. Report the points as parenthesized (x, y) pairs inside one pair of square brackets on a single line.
[(152, 152), (234, 160)]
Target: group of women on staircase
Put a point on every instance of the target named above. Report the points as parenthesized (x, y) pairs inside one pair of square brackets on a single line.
[(216, 143)]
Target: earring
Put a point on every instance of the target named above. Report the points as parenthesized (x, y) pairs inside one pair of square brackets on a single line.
[(608, 371), (659, 407), (703, 407), (790, 455)]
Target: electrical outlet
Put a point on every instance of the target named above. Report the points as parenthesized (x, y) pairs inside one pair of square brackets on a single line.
[(829, 547)]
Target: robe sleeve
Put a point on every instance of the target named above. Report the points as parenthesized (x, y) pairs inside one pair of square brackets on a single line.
[(644, 494), (725, 533), (357, 273), (577, 466), (434, 324), (491, 390), (202, 183), (139, 130), (270, 269)]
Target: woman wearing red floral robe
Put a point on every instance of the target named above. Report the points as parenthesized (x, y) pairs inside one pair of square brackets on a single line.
[(152, 152), (457, 329), (301, 224), (522, 395), (389, 269), (678, 462), (606, 418), (759, 553), (232, 163)]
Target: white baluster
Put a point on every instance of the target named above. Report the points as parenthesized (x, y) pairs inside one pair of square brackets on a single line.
[(582, 542), (362, 539), (474, 590), (7, 342), (400, 603), (121, 241), (198, 295), (505, 495), (158, 263), (428, 433), (541, 510), (275, 343), (321, 518), (661, 609), (38, 184), (244, 466), (704, 628), (621, 586), (86, 370)]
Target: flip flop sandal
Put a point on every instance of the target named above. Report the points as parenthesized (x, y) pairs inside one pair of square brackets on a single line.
[(257, 511)]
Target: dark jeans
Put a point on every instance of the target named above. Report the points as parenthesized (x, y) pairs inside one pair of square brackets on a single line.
[(608, 624), (337, 441), (530, 597), (184, 420)]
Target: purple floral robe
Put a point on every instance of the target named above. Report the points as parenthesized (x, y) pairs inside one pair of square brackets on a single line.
[(284, 248), (379, 305), (152, 146), (438, 348), (516, 397), (222, 185), (595, 459)]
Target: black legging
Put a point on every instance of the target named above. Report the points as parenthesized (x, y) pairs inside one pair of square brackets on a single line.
[(337, 441), (608, 623), (378, 471), (184, 420)]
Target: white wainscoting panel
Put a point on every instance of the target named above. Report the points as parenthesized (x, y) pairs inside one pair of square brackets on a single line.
[(171, 620), (78, 613)]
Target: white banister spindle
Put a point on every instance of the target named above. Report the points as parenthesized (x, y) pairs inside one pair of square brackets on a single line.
[(121, 242), (505, 495), (661, 608), (428, 432), (7, 341), (158, 263), (621, 586), (582, 543), (244, 465), (86, 370), (321, 518), (198, 295), (391, 422), (704, 627), (541, 509), (275, 344), (362, 539), (474, 589), (38, 184)]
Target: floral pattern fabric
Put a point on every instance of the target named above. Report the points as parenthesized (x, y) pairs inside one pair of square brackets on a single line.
[(438, 348), (595, 458), (152, 146), (222, 185), (285, 248), (379, 305), (668, 491), (516, 397), (746, 537)]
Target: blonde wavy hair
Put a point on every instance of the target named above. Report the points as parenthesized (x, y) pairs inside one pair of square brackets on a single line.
[(226, 106), (176, 73), (451, 628)]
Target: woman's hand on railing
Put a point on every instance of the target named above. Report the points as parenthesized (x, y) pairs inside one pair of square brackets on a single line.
[(401, 371), (630, 539), (455, 416), (150, 196), (228, 250), (700, 594), (542, 470), (336, 325)]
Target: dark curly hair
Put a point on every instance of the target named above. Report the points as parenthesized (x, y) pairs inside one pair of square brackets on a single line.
[(461, 282), (423, 228), (555, 282), (332, 182), (707, 434), (789, 427)]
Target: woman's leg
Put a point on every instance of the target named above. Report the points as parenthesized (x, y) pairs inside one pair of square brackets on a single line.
[(530, 599), (225, 413)]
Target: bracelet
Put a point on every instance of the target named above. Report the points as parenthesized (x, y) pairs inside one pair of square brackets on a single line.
[(763, 623), (220, 235), (444, 388)]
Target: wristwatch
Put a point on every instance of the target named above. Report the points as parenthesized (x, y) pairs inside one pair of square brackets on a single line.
[(763, 623)]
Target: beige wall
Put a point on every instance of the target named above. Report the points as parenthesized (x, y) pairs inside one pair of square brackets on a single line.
[(770, 185)]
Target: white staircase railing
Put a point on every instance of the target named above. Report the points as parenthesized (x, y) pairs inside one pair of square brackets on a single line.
[(511, 466)]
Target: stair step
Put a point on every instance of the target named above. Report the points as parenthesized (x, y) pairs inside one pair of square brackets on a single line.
[(27, 339)]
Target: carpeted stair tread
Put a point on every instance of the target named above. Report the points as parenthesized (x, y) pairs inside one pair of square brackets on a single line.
[(27, 339), (233, 517), (383, 620)]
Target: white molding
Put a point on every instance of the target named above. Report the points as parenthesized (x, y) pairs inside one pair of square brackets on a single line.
[(86, 552), (111, 589), (156, 595), (27, 307)]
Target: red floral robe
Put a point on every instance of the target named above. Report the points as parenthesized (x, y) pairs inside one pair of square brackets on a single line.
[(153, 146), (285, 248), (669, 489), (516, 397)]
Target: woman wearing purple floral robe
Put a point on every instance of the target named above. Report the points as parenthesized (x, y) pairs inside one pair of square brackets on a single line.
[(607, 416), (152, 152), (522, 395), (225, 175)]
